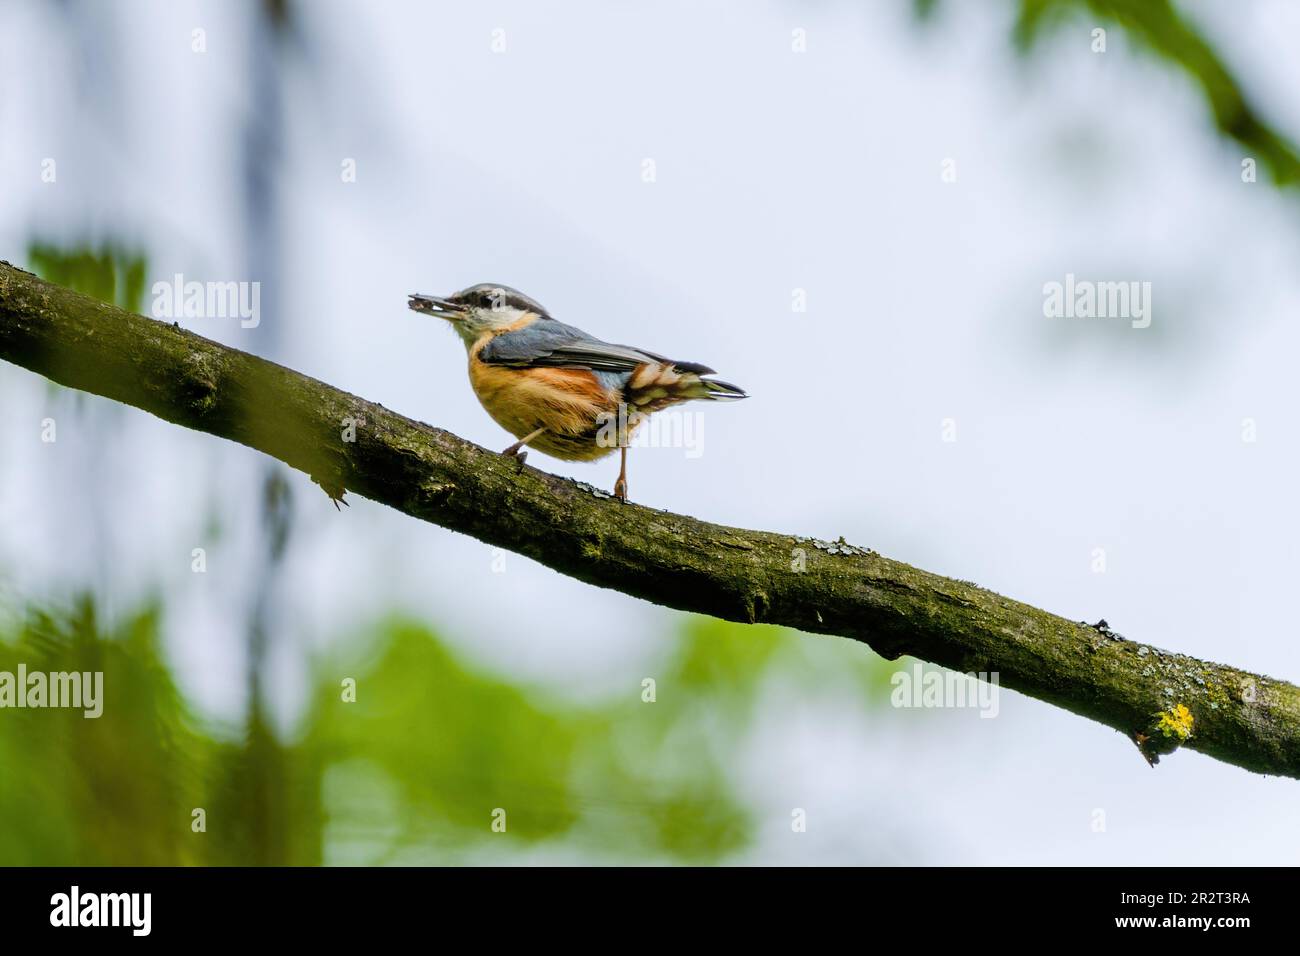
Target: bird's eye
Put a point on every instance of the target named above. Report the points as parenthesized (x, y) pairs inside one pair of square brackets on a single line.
[(494, 299)]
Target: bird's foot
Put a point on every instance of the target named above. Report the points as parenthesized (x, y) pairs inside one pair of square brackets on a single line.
[(518, 453), (620, 489)]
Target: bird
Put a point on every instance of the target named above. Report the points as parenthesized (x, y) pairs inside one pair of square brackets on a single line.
[(556, 388)]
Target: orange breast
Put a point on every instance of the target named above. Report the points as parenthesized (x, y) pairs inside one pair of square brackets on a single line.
[(568, 403)]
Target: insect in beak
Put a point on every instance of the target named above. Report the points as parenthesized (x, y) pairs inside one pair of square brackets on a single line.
[(433, 305)]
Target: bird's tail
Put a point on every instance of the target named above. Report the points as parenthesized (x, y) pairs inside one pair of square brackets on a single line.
[(657, 385), (695, 385), (722, 391)]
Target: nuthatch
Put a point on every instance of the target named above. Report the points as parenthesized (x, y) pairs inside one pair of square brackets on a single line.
[(556, 388)]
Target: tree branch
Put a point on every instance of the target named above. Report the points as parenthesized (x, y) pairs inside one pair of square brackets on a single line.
[(749, 576)]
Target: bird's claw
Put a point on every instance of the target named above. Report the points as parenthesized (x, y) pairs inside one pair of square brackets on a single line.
[(520, 455)]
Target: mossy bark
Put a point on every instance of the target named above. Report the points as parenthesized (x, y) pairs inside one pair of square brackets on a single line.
[(669, 559)]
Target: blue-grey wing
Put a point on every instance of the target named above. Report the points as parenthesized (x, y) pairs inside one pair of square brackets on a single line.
[(548, 343)]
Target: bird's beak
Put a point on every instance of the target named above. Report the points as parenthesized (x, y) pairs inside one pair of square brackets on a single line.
[(433, 305)]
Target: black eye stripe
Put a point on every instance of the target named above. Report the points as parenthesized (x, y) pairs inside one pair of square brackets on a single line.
[(499, 297)]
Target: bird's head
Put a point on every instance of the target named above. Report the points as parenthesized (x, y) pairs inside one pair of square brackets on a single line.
[(478, 309)]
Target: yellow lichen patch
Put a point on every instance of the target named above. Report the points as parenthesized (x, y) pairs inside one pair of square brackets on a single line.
[(1176, 722)]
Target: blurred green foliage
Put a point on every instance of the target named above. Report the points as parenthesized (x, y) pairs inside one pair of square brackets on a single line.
[(410, 771), (1159, 28), (109, 272)]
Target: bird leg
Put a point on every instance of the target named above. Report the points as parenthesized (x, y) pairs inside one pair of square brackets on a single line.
[(620, 486), (517, 451)]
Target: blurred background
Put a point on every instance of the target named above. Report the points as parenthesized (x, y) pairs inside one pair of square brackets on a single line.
[(849, 208)]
